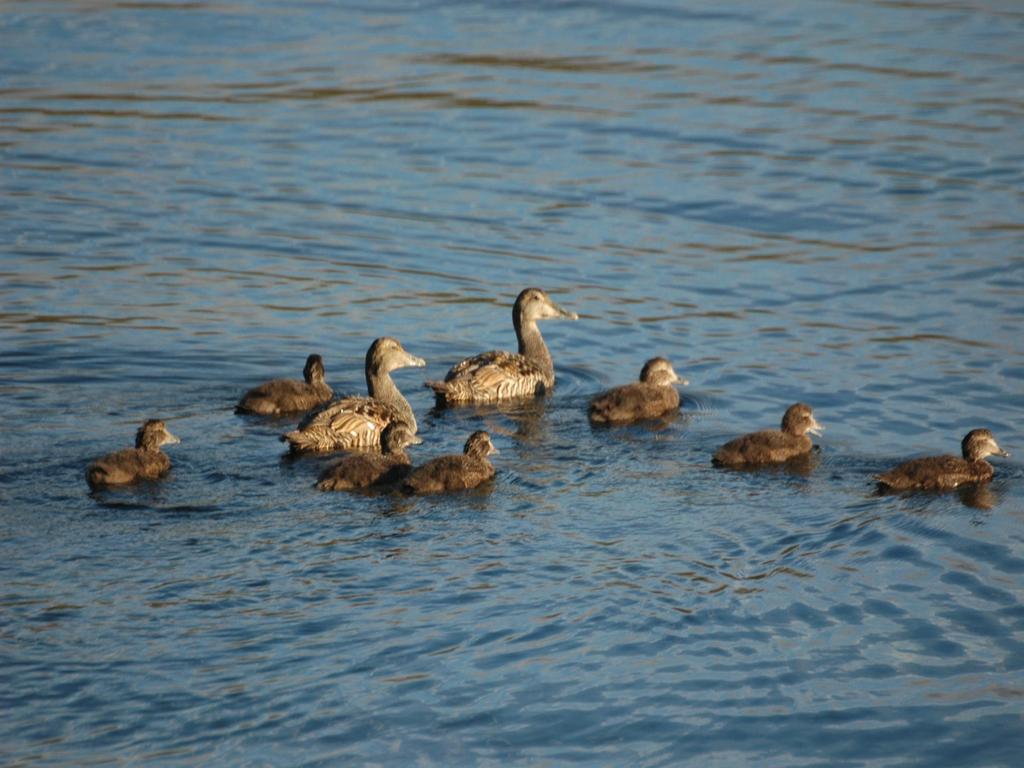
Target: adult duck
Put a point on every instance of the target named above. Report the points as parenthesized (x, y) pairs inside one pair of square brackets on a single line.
[(495, 376), (357, 422)]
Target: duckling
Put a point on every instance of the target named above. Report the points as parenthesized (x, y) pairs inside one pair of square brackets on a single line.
[(944, 473), (494, 376), (357, 422), (143, 462), (365, 470), (455, 472), (772, 446), (650, 397), (273, 398)]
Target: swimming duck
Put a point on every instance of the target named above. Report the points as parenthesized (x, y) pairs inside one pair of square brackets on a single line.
[(272, 398), (363, 470), (771, 445), (494, 376), (143, 462), (653, 396), (455, 472), (943, 473), (357, 422)]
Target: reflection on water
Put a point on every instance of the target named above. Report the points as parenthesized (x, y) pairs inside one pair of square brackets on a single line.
[(792, 202)]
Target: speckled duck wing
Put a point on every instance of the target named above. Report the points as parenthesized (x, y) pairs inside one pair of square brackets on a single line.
[(633, 402), (935, 473), (283, 396), (767, 447), (363, 470), (490, 377), (128, 466), (352, 422), (449, 473)]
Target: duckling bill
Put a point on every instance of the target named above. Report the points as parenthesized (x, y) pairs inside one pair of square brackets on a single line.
[(455, 472), (143, 462), (282, 396), (945, 473), (773, 446), (652, 397)]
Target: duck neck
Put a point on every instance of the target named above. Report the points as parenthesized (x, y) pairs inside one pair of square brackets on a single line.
[(381, 387), (533, 348)]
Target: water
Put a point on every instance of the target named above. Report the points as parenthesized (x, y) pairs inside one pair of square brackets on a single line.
[(815, 201)]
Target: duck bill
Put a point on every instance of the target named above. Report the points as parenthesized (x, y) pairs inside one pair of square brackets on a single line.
[(1000, 452), (554, 311), (415, 440), (169, 439), (682, 381), (815, 429), (492, 451), (411, 361)]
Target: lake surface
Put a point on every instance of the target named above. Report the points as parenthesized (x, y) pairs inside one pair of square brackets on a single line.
[(816, 200)]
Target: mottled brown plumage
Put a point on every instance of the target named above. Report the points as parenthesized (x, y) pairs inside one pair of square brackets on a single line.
[(357, 422), (279, 396), (455, 472), (143, 462), (944, 473), (367, 470), (772, 446), (653, 396), (495, 376)]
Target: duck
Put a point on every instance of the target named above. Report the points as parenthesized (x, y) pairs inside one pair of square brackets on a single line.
[(143, 462), (357, 422), (495, 376), (455, 472), (773, 446), (944, 473), (366, 470), (283, 396), (651, 397)]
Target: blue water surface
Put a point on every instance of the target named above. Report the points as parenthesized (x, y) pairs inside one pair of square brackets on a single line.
[(818, 201)]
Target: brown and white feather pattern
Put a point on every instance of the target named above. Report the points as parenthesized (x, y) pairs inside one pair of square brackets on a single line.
[(352, 422), (491, 377)]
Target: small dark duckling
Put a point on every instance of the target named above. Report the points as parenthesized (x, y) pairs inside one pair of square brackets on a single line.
[(273, 398), (773, 446), (651, 397), (455, 472), (366, 470), (143, 462), (944, 473)]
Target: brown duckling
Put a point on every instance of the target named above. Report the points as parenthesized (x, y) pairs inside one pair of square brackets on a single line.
[(365, 469), (455, 472), (944, 473), (273, 398), (773, 446), (357, 422), (651, 397), (143, 462), (494, 376)]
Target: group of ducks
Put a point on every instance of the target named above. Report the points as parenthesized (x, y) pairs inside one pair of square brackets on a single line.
[(379, 427)]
